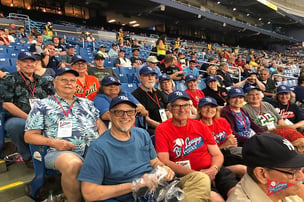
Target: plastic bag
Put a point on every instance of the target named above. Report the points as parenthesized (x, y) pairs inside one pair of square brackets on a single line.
[(154, 188)]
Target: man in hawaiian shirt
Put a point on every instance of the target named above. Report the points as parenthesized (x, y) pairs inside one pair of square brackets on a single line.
[(22, 89), (67, 124)]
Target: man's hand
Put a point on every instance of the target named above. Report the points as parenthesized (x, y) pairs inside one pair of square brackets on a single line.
[(170, 173), (211, 172), (147, 180), (63, 145)]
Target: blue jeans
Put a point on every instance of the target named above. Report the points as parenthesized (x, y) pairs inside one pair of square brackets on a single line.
[(14, 128)]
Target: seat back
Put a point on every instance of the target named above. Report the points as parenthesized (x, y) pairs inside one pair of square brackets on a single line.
[(2, 131), (38, 153)]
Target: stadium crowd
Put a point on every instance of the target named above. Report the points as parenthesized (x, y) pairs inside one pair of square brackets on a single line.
[(215, 117)]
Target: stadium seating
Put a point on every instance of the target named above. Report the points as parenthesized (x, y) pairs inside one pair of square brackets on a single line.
[(128, 87), (2, 131), (38, 153)]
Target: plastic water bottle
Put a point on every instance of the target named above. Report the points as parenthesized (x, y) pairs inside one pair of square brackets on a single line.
[(51, 197)]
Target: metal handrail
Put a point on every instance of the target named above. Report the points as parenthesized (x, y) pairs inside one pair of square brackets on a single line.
[(285, 76), (215, 64)]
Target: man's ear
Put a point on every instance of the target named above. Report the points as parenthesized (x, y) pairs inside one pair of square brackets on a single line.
[(261, 174)]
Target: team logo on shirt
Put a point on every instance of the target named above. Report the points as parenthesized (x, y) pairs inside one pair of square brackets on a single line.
[(276, 186), (183, 148)]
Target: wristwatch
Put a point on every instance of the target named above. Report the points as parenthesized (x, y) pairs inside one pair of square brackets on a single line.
[(217, 168)]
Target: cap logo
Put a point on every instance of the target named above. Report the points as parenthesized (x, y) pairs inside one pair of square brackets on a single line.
[(150, 69), (283, 87), (123, 97), (288, 144), (178, 93), (238, 90), (112, 79), (78, 56), (208, 99), (27, 53)]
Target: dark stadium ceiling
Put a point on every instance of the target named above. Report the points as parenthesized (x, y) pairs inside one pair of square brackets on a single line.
[(149, 10)]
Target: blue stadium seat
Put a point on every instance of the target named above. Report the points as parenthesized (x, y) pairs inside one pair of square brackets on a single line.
[(3, 49), (116, 70), (128, 87), (127, 70), (11, 68), (109, 62), (180, 85), (201, 84), (2, 131), (123, 78), (4, 62), (38, 153)]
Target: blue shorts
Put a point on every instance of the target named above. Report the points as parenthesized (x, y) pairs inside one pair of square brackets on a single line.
[(50, 157)]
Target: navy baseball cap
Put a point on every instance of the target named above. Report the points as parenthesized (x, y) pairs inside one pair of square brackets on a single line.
[(69, 46), (211, 78), (250, 88), (146, 70), (26, 55), (207, 101), (190, 77), (272, 151), (283, 89), (252, 72), (61, 71), (108, 80), (164, 77), (122, 99), (236, 92), (178, 95), (77, 58)]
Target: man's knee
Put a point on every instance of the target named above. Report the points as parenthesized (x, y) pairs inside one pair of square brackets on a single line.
[(15, 126), (197, 178), (69, 165)]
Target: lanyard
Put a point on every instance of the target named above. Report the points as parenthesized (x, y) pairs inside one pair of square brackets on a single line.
[(287, 107), (32, 90), (154, 100), (219, 94), (241, 118), (65, 113), (260, 112)]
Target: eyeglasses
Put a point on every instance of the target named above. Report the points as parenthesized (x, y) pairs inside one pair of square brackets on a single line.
[(68, 81), (185, 106), (299, 147), (291, 174), (121, 113), (79, 64)]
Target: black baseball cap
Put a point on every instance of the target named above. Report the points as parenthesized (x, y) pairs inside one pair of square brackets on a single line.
[(271, 151)]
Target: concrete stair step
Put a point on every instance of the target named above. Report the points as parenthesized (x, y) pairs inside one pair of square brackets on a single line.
[(13, 181)]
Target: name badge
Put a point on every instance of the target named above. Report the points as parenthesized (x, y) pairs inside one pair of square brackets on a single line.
[(185, 163), (252, 133), (163, 115), (288, 122), (64, 129), (270, 125), (32, 101)]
